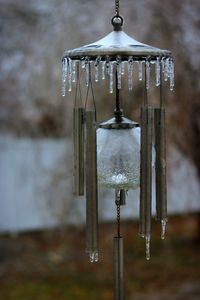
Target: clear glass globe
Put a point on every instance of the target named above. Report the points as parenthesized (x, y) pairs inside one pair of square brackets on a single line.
[(118, 158)]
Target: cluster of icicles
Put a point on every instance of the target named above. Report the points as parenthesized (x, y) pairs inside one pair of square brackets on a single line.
[(106, 67)]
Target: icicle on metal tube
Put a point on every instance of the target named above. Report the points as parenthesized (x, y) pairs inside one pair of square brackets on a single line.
[(78, 134), (171, 75), (111, 69), (96, 66), (74, 68), (146, 174), (130, 73), (148, 70), (161, 181), (119, 72), (118, 268), (91, 177), (69, 75), (166, 69), (140, 70), (107, 65), (158, 67), (87, 62), (123, 68), (103, 69), (64, 75)]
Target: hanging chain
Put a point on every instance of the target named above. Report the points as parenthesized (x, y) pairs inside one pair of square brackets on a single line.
[(117, 7)]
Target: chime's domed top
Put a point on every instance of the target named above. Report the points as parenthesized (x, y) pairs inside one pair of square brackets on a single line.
[(116, 43)]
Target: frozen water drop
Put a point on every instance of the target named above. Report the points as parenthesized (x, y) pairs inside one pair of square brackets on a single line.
[(69, 75), (166, 69), (94, 256), (87, 71), (157, 71), (148, 239), (107, 64), (103, 68), (171, 77), (119, 72), (147, 74), (64, 76), (123, 68), (96, 65), (140, 70), (130, 73), (111, 77), (74, 71), (163, 231)]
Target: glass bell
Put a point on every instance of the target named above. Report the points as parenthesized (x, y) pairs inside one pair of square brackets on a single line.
[(118, 154)]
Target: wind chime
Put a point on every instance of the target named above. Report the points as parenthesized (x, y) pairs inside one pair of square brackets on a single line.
[(117, 154)]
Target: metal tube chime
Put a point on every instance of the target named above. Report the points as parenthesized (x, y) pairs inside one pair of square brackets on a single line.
[(78, 134), (161, 180), (91, 177), (147, 116)]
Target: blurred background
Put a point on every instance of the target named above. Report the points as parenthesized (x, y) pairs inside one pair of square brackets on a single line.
[(41, 223)]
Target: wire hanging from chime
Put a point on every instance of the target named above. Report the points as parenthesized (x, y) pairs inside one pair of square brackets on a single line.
[(118, 152)]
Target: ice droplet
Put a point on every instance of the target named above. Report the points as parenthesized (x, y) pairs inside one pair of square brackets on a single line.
[(64, 75), (130, 73), (163, 231), (123, 68), (171, 75), (69, 75), (147, 74), (157, 71), (148, 239), (119, 72), (107, 64), (166, 69), (96, 66), (86, 71), (94, 256), (111, 77), (140, 70), (74, 71), (83, 64), (103, 70)]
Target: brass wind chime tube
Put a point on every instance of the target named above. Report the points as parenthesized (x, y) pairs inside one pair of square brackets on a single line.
[(118, 268), (78, 135), (146, 170), (161, 181), (147, 116), (91, 179)]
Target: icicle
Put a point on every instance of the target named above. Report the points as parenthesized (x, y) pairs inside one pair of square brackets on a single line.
[(103, 70), (147, 74), (140, 70), (96, 65), (166, 69), (171, 75), (111, 77), (119, 72), (164, 224), (87, 71), (83, 64), (107, 64), (64, 76), (123, 68), (69, 75), (74, 71), (158, 71), (130, 73), (148, 239), (94, 256)]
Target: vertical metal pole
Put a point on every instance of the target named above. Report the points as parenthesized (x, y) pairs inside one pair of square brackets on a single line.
[(146, 171), (118, 268), (79, 151), (91, 179)]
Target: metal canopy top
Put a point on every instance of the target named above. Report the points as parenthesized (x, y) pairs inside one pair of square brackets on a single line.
[(113, 123), (115, 44)]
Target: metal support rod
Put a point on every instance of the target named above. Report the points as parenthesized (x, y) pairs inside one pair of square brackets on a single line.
[(146, 171), (161, 182), (118, 268), (78, 151), (91, 185)]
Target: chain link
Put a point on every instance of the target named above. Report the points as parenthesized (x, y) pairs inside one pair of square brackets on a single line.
[(117, 7)]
